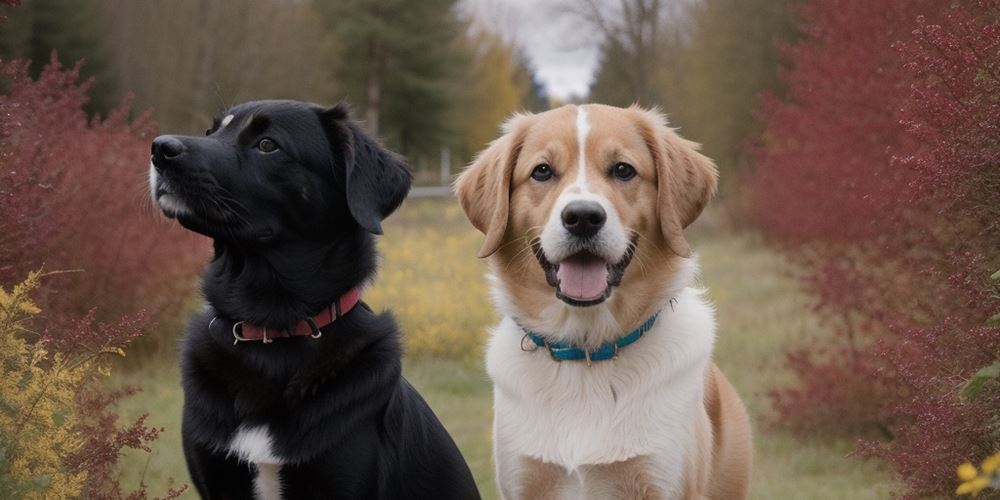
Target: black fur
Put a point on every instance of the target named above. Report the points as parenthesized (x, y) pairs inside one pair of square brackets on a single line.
[(293, 231)]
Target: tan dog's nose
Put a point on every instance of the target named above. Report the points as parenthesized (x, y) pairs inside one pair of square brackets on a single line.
[(583, 219)]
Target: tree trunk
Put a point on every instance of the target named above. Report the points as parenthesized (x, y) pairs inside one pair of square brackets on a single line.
[(203, 72), (374, 87)]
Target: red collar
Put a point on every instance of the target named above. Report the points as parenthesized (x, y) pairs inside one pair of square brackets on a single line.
[(243, 331)]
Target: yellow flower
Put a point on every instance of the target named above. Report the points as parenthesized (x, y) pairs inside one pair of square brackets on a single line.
[(967, 472), (972, 487), (992, 463)]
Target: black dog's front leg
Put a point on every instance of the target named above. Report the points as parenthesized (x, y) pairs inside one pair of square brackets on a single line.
[(215, 476)]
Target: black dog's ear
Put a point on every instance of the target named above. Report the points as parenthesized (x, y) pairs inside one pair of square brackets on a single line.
[(377, 180)]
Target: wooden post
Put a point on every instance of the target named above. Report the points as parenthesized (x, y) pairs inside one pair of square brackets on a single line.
[(445, 166)]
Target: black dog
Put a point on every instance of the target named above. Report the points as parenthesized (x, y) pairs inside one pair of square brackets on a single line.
[(290, 390)]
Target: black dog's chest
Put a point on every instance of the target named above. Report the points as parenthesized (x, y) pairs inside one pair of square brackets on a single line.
[(293, 390)]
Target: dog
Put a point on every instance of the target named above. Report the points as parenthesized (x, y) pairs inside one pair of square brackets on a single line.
[(603, 382), (292, 386)]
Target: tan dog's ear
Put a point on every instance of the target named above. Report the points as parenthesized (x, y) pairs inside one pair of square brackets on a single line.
[(483, 189), (685, 178)]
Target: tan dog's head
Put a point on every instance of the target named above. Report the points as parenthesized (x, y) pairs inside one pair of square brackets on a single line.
[(570, 198)]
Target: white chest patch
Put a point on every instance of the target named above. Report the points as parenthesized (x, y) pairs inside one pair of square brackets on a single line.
[(254, 445)]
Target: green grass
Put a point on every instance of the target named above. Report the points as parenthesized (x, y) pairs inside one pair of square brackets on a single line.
[(760, 312)]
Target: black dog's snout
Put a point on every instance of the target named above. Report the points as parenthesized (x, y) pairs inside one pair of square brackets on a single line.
[(583, 218), (166, 148)]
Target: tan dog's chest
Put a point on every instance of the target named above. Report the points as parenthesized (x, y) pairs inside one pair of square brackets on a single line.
[(611, 427)]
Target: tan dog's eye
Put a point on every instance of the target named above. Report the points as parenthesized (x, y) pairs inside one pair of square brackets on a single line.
[(623, 171), (541, 172), (267, 145)]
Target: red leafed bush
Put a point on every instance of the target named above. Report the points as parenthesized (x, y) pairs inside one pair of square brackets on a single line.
[(73, 195), (880, 173)]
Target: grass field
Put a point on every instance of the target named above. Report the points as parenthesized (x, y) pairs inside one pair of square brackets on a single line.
[(434, 283)]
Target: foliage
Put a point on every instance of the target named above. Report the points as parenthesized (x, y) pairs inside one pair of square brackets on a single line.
[(880, 173), (58, 438), (640, 40), (442, 305), (719, 100), (704, 63), (500, 85), (73, 195), (187, 60)]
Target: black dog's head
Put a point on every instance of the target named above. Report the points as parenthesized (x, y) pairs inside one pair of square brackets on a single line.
[(277, 170)]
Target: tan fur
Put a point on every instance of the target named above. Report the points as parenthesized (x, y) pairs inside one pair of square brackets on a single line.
[(631, 479), (731, 451), (674, 183), (542, 480)]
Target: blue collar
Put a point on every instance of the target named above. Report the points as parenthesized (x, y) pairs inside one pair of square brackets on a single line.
[(562, 351)]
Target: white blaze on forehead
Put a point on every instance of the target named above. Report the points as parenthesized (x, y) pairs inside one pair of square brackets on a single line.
[(225, 121), (582, 129)]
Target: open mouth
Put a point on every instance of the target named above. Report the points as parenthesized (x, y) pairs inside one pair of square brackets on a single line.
[(583, 279)]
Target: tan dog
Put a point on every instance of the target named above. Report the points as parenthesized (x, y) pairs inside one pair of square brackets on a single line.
[(603, 381)]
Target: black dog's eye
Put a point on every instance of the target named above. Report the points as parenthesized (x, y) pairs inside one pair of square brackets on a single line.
[(623, 171), (541, 173), (267, 145)]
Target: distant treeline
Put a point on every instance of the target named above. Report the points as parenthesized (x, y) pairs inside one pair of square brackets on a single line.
[(706, 63), (421, 74)]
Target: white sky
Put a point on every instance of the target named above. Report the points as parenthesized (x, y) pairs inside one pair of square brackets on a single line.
[(562, 51)]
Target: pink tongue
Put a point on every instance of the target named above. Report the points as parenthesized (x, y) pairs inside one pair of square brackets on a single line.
[(582, 279)]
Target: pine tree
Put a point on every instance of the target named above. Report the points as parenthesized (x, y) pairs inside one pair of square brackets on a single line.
[(402, 64), (71, 28)]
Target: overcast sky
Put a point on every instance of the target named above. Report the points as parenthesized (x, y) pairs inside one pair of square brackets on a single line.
[(562, 50)]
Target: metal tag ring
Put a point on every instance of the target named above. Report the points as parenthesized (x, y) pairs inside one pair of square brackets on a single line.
[(239, 338)]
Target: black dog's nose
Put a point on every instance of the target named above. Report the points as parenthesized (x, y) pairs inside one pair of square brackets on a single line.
[(166, 148), (583, 218)]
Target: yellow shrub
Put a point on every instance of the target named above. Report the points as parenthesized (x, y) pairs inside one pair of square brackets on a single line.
[(431, 279), (37, 404)]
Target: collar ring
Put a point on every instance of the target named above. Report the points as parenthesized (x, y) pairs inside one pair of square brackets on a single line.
[(237, 329)]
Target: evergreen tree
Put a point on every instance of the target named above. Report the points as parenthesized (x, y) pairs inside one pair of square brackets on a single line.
[(403, 63), (71, 28)]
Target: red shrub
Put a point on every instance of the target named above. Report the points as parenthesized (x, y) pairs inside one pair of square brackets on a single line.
[(881, 174), (73, 195)]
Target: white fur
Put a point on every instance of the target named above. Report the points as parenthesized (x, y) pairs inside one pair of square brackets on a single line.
[(153, 179), (225, 121), (568, 413), (167, 202), (582, 129), (254, 445), (610, 242), (173, 205), (267, 484)]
